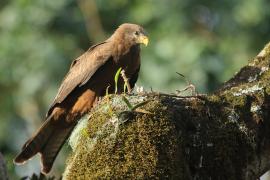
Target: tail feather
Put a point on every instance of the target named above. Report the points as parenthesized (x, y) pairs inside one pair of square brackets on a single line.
[(47, 141), (53, 146), (34, 144)]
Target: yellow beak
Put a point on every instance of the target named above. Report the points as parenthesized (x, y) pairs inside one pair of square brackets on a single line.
[(143, 40)]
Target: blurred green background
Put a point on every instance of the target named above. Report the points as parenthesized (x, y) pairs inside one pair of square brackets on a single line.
[(207, 41)]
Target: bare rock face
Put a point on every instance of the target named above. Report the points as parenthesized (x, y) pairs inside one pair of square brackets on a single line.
[(224, 135)]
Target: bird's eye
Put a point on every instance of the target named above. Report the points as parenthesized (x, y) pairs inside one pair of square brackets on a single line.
[(137, 33)]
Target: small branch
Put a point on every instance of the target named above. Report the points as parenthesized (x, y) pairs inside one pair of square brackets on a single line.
[(190, 86)]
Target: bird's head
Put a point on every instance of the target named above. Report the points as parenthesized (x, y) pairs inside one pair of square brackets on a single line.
[(133, 34)]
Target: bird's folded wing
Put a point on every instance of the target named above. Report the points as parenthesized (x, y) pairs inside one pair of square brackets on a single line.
[(82, 69)]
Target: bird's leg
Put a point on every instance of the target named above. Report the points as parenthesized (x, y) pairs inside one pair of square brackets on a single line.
[(126, 80)]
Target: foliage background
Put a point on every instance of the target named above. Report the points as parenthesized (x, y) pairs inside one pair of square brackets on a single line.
[(207, 41)]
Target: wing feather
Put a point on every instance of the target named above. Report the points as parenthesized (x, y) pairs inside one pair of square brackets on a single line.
[(82, 69)]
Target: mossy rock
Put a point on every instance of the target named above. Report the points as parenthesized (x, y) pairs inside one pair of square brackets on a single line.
[(115, 143), (167, 138)]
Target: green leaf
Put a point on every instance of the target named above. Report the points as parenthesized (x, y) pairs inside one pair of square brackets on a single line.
[(127, 102), (125, 87), (116, 77), (107, 91), (139, 105)]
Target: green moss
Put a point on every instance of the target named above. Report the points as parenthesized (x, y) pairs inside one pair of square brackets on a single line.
[(144, 146), (267, 90), (213, 98), (177, 139), (265, 78), (235, 101)]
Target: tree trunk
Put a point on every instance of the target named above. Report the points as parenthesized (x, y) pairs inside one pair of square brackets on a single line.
[(224, 135)]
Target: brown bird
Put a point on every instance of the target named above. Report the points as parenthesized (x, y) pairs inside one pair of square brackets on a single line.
[(88, 78)]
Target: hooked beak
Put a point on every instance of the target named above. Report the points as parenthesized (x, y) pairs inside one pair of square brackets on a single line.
[(143, 39)]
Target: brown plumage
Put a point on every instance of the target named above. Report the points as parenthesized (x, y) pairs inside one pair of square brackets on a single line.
[(87, 79)]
